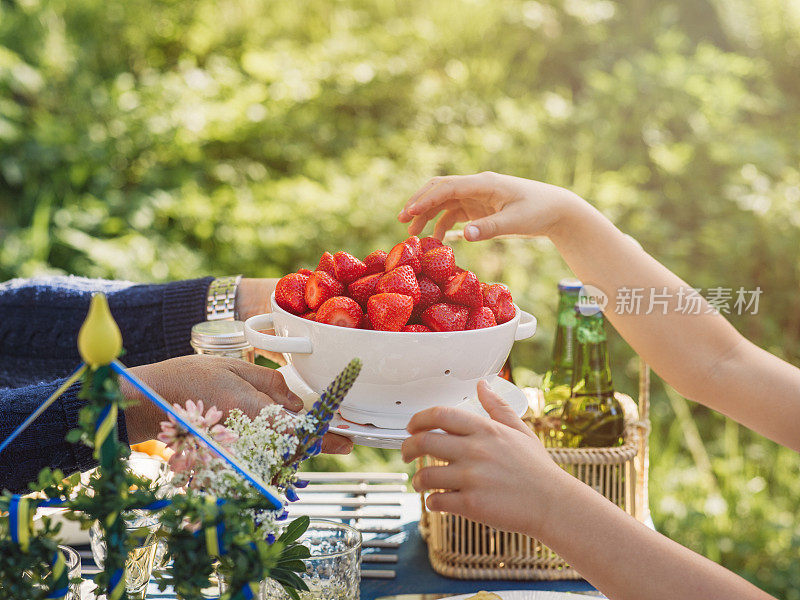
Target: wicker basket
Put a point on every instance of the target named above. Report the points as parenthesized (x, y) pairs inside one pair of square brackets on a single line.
[(465, 549)]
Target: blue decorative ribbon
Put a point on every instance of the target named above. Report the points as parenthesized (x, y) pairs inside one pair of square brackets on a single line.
[(19, 521), (214, 533), (158, 504), (116, 585), (250, 591)]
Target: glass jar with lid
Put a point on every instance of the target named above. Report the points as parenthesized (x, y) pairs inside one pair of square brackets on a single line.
[(222, 338)]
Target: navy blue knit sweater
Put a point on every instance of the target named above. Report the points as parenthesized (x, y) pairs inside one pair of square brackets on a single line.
[(39, 322)]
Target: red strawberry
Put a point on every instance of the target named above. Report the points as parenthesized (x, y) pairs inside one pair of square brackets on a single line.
[(364, 323), (399, 281), (494, 292), (445, 317), (439, 263), (415, 244), (341, 311), (480, 318), (504, 311), (321, 286), (429, 292), (305, 271), (310, 315), (402, 254), (361, 289), (497, 297), (464, 288), (290, 292), (348, 267), (327, 264), (415, 329), (375, 262), (429, 243), (389, 312)]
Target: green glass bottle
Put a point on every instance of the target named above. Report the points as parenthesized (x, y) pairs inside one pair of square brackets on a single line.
[(557, 381), (592, 416)]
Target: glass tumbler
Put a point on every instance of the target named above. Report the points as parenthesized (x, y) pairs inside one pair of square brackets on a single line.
[(139, 566), (74, 569), (334, 570), (73, 565)]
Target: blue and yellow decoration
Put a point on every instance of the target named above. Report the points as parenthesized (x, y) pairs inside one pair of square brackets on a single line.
[(22, 552)]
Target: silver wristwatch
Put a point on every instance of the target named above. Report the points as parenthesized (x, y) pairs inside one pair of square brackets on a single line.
[(221, 302)]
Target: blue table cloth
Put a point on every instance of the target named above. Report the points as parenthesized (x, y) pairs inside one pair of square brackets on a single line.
[(415, 575)]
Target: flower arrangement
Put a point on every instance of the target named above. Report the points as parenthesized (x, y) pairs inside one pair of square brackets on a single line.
[(272, 446), (228, 516)]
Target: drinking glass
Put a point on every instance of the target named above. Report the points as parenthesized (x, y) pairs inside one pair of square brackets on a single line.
[(73, 566), (334, 570), (73, 561), (139, 566)]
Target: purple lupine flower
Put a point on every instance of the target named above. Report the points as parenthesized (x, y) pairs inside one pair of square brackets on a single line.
[(315, 424)]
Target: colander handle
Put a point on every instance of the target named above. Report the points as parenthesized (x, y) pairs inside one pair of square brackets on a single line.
[(526, 327), (273, 343)]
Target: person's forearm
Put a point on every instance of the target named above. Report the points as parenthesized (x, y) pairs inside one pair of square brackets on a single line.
[(683, 349), (593, 534), (700, 355), (42, 318)]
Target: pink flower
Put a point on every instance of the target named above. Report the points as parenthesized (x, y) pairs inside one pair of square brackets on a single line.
[(189, 452), (182, 461)]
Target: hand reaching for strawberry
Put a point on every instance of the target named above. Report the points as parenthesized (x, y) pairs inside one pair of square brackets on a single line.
[(494, 204)]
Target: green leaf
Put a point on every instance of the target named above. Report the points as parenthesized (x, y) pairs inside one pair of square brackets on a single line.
[(295, 529), (294, 565), (289, 578), (263, 361), (294, 552)]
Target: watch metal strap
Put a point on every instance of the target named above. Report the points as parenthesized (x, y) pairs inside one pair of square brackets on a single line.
[(221, 302)]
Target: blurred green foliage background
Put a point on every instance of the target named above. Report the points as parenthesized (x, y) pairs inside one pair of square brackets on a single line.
[(163, 139)]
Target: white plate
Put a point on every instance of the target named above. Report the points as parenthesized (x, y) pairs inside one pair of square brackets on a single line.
[(529, 595), (392, 439)]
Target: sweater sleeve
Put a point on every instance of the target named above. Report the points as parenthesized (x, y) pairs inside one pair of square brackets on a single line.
[(41, 319), (43, 443)]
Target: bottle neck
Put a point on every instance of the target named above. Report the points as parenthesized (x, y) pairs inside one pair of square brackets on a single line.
[(564, 343), (592, 372)]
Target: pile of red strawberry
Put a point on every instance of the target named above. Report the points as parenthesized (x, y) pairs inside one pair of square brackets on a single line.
[(415, 287)]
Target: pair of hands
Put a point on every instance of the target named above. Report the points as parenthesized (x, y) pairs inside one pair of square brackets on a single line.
[(492, 463), (496, 205)]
